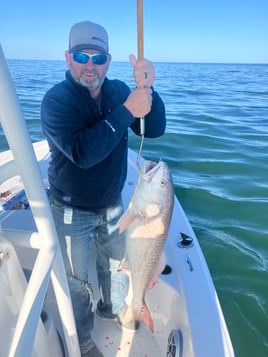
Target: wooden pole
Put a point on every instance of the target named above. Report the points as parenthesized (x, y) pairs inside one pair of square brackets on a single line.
[(140, 29)]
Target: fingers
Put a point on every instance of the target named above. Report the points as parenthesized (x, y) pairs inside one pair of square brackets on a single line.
[(133, 60), (143, 72), (139, 102)]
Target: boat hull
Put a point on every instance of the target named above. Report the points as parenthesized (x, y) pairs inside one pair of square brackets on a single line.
[(187, 316)]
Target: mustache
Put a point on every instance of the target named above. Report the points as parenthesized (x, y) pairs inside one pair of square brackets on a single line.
[(89, 71)]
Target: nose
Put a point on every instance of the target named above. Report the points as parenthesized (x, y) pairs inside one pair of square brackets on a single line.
[(90, 64)]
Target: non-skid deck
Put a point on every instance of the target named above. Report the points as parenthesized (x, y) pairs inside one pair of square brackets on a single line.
[(162, 302), (115, 341)]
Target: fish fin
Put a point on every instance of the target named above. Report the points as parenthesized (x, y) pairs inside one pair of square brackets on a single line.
[(124, 267), (126, 219), (143, 315)]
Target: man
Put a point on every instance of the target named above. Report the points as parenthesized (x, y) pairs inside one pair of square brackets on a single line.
[(86, 119)]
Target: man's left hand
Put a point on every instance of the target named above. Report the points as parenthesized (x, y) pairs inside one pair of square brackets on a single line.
[(143, 72)]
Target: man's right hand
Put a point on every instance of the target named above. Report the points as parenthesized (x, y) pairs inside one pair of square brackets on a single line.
[(139, 102)]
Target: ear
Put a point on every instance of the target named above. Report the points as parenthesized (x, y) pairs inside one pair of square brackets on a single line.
[(68, 58)]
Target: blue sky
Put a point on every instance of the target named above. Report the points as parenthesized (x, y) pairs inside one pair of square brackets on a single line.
[(227, 31)]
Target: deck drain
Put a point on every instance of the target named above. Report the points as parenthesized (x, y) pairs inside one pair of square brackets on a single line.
[(167, 270), (174, 348)]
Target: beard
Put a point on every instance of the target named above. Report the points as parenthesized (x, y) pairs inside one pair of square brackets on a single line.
[(90, 79)]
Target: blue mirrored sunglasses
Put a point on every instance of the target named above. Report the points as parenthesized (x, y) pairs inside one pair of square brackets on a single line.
[(83, 58)]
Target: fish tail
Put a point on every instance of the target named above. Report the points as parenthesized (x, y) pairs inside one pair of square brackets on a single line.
[(141, 314)]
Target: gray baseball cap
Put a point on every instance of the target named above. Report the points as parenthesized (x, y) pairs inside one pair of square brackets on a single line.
[(87, 35)]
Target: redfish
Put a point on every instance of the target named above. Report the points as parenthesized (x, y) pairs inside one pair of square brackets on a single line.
[(147, 221)]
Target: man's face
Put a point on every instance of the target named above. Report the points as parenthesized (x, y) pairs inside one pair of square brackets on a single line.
[(90, 75)]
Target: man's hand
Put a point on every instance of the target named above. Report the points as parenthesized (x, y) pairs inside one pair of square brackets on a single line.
[(143, 72), (139, 102)]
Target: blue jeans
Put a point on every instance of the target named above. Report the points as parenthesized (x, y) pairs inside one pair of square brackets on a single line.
[(77, 229)]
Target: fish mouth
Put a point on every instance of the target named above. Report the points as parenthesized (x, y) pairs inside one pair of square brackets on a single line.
[(151, 168)]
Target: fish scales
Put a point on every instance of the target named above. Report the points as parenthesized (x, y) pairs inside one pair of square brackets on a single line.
[(147, 253)]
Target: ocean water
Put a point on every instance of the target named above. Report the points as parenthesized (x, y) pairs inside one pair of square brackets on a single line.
[(216, 146)]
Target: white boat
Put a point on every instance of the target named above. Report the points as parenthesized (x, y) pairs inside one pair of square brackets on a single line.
[(36, 316)]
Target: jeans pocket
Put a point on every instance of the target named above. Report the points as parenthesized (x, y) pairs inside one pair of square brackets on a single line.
[(55, 204)]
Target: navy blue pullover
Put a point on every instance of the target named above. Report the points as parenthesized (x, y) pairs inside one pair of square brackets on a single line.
[(89, 143)]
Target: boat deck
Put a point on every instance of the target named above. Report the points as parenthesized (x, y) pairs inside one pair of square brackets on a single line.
[(115, 341)]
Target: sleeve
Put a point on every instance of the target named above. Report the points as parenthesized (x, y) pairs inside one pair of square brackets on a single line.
[(63, 124)]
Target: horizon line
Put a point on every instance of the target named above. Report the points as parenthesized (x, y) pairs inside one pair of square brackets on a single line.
[(168, 62)]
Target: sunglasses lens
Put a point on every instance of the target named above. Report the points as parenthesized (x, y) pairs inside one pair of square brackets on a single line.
[(83, 58), (99, 59), (80, 57)]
